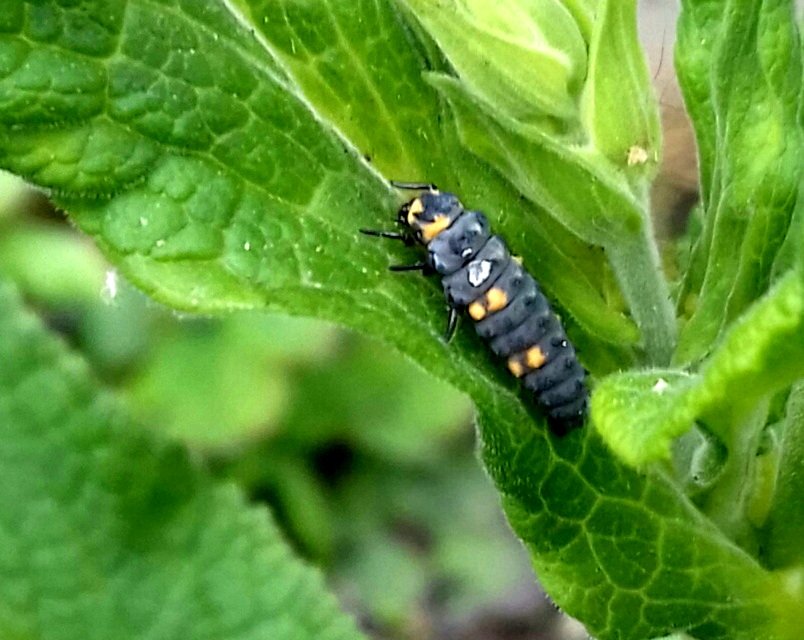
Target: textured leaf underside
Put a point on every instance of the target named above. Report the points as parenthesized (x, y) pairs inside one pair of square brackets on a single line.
[(105, 533)]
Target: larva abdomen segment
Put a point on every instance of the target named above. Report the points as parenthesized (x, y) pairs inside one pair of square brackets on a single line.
[(476, 277), (523, 299), (526, 331)]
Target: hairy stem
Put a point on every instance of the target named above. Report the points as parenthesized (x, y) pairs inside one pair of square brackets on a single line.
[(726, 504), (636, 264), (785, 526)]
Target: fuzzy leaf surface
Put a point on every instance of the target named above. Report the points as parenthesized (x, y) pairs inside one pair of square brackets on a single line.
[(106, 532), (740, 69), (640, 413), (619, 106), (784, 527), (528, 59)]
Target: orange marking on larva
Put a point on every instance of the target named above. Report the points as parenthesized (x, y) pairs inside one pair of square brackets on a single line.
[(515, 366), (496, 299), (432, 229), (416, 207), (535, 358), (477, 311)]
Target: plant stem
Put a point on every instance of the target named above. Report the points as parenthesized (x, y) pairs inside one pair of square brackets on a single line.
[(726, 503), (785, 524), (636, 264)]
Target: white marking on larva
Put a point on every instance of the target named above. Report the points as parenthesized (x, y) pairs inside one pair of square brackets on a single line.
[(478, 272), (660, 386), (247, 246), (466, 252), (143, 221)]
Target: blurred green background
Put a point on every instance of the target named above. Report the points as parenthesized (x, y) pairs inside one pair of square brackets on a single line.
[(323, 426)]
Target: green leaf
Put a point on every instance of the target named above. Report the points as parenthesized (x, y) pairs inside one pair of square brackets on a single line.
[(108, 532), (650, 561), (73, 273), (584, 13), (458, 537), (351, 79), (178, 179), (791, 253), (640, 413), (784, 528), (595, 205), (619, 107), (526, 59), (244, 220), (12, 195), (362, 395), (568, 268), (761, 354), (695, 43), (591, 200), (244, 389), (590, 174), (739, 64)]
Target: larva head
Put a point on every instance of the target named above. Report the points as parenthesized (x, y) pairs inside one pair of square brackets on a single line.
[(430, 213)]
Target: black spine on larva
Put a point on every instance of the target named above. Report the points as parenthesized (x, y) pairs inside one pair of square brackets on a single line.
[(471, 261)]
